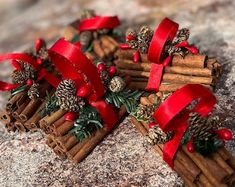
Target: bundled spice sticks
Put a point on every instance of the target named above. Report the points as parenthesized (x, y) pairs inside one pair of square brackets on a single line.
[(216, 169), (28, 96), (164, 63)]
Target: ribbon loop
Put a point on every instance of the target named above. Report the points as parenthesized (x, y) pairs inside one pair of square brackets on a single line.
[(99, 22)]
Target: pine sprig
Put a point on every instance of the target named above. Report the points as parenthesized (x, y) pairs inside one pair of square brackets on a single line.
[(126, 97), (51, 105), (89, 121)]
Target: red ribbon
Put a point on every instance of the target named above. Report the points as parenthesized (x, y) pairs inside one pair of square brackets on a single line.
[(73, 64), (167, 29), (99, 22), (43, 73), (166, 114)]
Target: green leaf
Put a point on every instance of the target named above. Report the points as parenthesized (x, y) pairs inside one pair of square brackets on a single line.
[(75, 38)]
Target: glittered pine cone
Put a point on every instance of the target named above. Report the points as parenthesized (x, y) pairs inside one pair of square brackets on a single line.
[(26, 73), (117, 84), (144, 38), (157, 136), (66, 95)]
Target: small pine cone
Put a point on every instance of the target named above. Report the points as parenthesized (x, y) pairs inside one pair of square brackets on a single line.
[(26, 73), (144, 38), (66, 95), (200, 127), (157, 136), (145, 112), (117, 84), (105, 78), (66, 87), (43, 53), (133, 43), (177, 51), (88, 13), (86, 38), (182, 35), (33, 91)]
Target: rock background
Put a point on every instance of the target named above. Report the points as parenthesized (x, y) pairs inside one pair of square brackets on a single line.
[(122, 159)]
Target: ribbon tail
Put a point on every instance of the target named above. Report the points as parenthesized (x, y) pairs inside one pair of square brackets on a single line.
[(8, 86), (170, 148), (155, 77), (106, 112)]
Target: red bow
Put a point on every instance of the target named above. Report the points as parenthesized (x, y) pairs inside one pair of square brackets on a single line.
[(99, 22), (166, 114), (167, 29), (73, 64), (43, 73)]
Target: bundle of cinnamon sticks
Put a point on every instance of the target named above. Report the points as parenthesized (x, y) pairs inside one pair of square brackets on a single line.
[(23, 113), (197, 69), (64, 143), (196, 170), (104, 46)]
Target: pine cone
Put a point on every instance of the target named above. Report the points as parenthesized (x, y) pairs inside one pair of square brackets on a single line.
[(117, 84), (145, 112), (43, 53), (172, 50), (182, 35), (133, 43), (26, 73), (157, 136), (144, 38), (33, 91), (88, 13), (200, 127), (105, 78), (86, 38), (67, 99)]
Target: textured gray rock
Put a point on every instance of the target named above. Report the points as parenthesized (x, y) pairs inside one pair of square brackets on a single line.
[(122, 159)]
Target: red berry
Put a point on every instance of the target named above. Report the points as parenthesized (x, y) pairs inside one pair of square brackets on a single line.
[(112, 70), (124, 46), (84, 91), (39, 61), (38, 44), (70, 116), (130, 37), (101, 67), (136, 57), (151, 125), (29, 82), (190, 146), (224, 134)]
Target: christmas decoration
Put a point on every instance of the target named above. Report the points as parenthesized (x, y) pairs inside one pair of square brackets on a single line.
[(164, 60), (188, 138), (31, 81)]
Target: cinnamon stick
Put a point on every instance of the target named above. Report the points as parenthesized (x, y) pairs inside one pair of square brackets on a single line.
[(48, 120), (63, 128), (98, 49), (5, 117), (20, 126), (128, 64), (11, 104), (17, 113), (74, 150), (190, 60), (68, 143), (107, 43)]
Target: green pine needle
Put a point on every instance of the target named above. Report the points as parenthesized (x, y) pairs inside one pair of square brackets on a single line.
[(51, 105), (126, 97), (88, 122)]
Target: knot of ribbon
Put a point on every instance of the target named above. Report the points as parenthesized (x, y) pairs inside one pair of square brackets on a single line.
[(168, 118), (98, 22), (73, 64), (166, 30)]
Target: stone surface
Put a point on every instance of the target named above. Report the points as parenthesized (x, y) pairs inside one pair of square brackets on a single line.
[(122, 159)]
